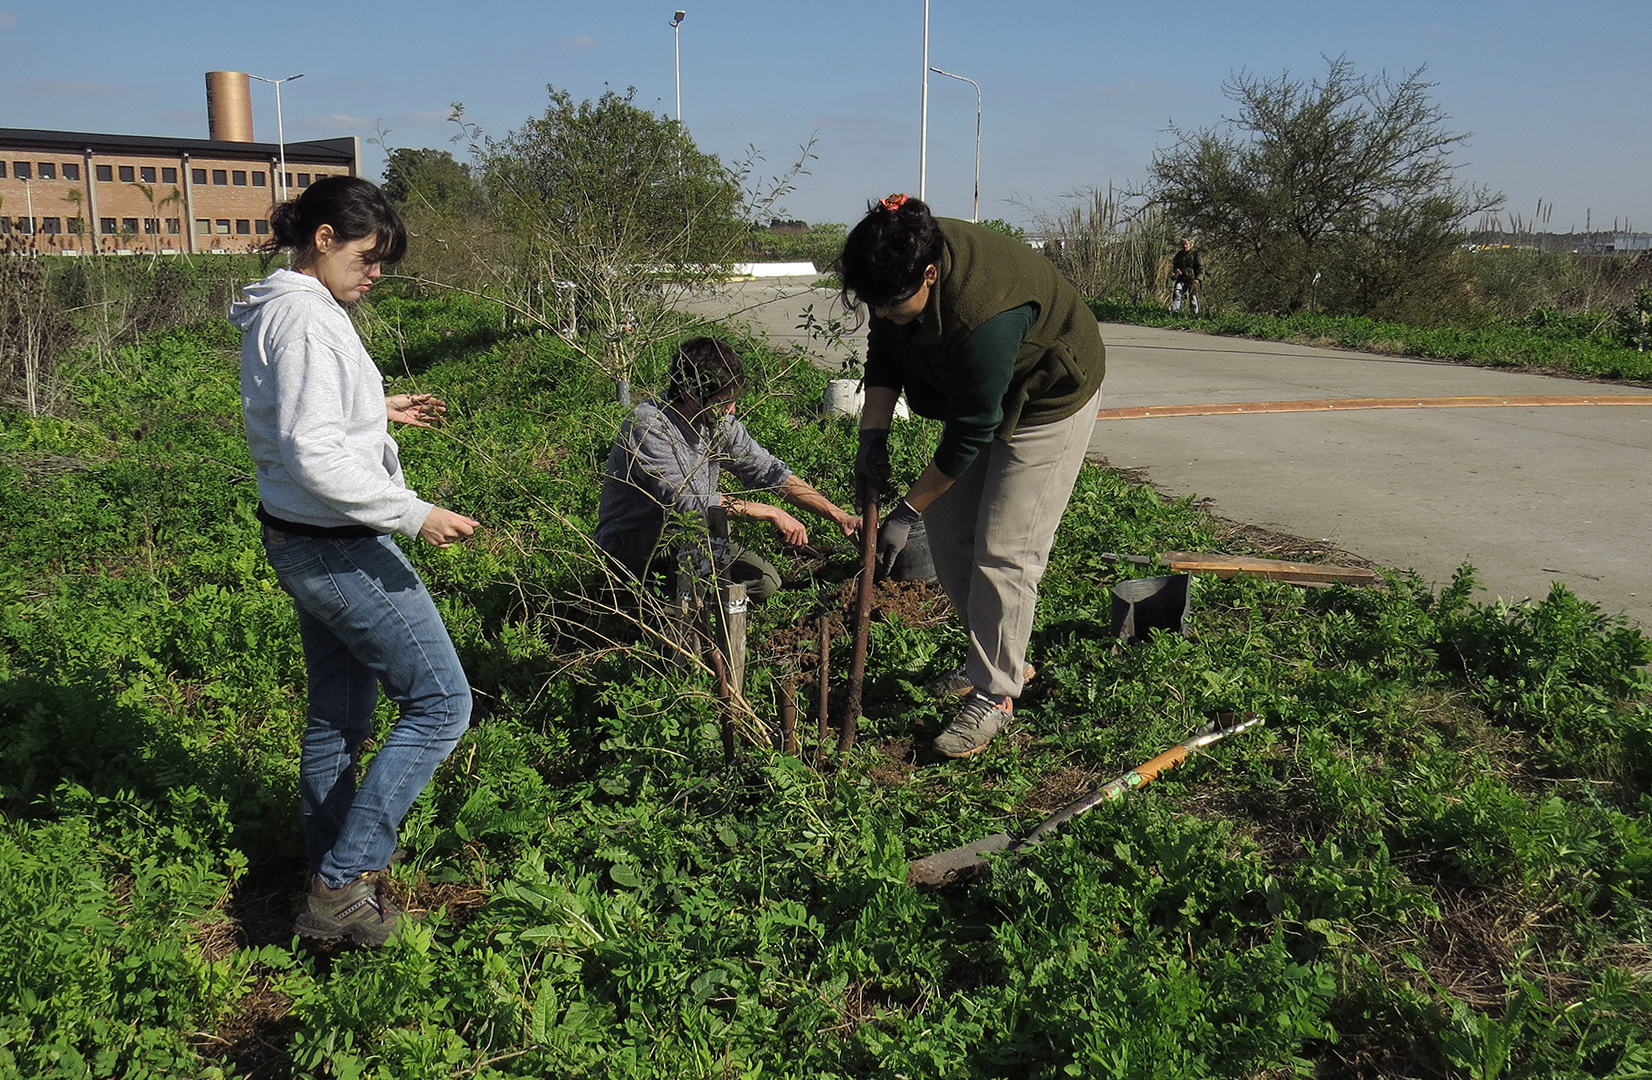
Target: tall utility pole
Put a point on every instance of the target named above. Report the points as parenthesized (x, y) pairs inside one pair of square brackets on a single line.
[(677, 34), (923, 113), (977, 215), (280, 133)]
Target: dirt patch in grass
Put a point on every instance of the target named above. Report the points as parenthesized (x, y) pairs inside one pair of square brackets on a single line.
[(897, 761), (254, 1036), (919, 604), (1060, 787)]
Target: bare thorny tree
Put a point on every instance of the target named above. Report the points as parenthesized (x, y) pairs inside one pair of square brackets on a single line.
[(1340, 191)]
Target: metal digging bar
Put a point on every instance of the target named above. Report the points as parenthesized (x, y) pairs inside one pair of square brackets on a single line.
[(962, 863), (863, 619)]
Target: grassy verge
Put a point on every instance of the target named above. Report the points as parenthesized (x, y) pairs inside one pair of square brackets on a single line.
[(1435, 860), (1577, 344)]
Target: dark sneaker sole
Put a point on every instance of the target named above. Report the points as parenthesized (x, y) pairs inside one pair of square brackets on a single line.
[(960, 755), (360, 933)]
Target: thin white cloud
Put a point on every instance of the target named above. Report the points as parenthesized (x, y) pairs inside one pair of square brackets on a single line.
[(339, 122), (71, 87), (431, 116), (583, 41), (7, 19)]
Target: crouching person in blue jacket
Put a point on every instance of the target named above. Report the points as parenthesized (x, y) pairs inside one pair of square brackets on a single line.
[(669, 458)]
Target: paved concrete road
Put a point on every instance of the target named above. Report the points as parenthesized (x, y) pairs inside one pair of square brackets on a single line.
[(773, 308), (1528, 495)]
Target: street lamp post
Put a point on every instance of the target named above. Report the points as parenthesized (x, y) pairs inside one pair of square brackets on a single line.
[(972, 82), (280, 133), (677, 36), (923, 112)]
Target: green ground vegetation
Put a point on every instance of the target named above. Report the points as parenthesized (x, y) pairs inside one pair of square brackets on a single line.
[(1596, 344), (1435, 860)]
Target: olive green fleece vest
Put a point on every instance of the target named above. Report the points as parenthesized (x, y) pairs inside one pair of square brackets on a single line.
[(983, 273)]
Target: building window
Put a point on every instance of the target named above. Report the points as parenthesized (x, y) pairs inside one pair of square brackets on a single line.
[(2, 170), (127, 174), (203, 226), (261, 227), (105, 173), (20, 169), (197, 176), (151, 226), (289, 177), (258, 178), (77, 226), (239, 178), (71, 170), (51, 226), (129, 226), (243, 227), (223, 226), (108, 226), (303, 179), (169, 176), (5, 226), (25, 225), (174, 226), (147, 174), (48, 170), (220, 177)]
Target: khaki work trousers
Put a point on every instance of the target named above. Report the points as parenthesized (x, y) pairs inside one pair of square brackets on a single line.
[(990, 535)]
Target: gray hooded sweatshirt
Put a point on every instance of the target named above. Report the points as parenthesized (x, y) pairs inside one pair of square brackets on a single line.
[(314, 406)]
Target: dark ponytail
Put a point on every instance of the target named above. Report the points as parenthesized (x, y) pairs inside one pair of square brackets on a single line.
[(352, 206), (885, 255)]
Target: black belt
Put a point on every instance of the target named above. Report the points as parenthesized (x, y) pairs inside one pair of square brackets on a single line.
[(320, 532)]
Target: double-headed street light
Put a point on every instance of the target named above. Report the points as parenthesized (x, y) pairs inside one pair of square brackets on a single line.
[(972, 82), (280, 134), (677, 35)]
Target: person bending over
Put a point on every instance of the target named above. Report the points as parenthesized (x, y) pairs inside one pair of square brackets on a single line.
[(985, 335)]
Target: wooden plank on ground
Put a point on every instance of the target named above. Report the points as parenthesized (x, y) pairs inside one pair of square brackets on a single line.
[(1191, 562)]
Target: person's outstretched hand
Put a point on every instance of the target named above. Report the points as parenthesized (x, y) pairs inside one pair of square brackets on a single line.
[(415, 409), (443, 528), (893, 533)]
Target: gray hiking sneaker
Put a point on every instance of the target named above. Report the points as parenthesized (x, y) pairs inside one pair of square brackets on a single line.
[(356, 911), (977, 721), (956, 684)]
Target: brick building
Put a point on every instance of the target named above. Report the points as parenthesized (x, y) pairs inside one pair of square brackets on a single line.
[(64, 192)]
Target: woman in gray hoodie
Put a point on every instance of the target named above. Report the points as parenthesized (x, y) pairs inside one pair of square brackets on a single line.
[(330, 492)]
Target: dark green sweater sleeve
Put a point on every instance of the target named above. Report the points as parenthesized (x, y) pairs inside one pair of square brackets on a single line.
[(978, 376)]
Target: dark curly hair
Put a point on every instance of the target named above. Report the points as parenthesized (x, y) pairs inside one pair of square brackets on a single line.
[(885, 255), (352, 206), (705, 368)]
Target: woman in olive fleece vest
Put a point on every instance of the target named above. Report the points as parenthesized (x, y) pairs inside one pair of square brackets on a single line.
[(984, 334)]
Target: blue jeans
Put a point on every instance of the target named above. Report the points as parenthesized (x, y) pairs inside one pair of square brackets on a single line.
[(366, 619)]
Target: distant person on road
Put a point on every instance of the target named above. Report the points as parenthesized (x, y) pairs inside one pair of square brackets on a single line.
[(669, 457), (331, 491), (984, 334), (1186, 272)]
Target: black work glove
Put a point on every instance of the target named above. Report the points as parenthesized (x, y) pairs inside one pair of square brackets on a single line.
[(893, 533), (871, 465)]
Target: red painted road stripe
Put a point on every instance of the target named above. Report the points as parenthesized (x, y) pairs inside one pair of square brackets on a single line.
[(1229, 408)]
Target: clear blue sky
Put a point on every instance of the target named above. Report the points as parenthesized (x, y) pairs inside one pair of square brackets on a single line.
[(1556, 96)]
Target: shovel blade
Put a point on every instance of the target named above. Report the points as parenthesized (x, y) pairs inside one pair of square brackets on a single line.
[(959, 864)]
